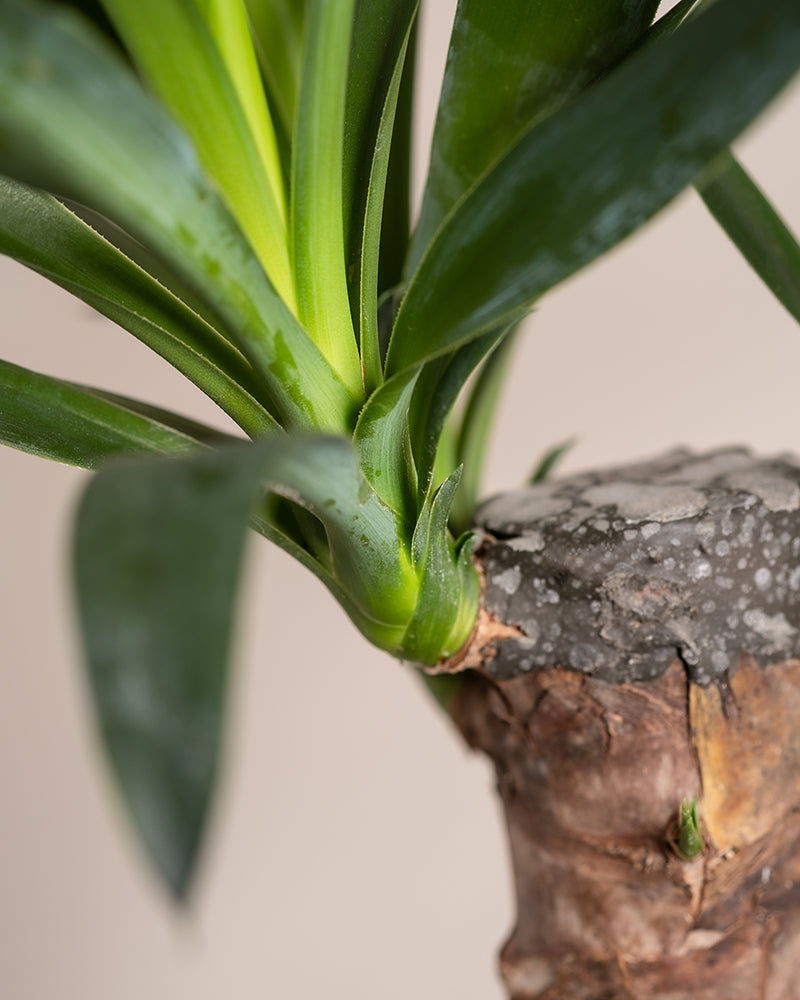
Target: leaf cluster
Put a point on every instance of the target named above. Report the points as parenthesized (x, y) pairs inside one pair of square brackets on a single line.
[(229, 182)]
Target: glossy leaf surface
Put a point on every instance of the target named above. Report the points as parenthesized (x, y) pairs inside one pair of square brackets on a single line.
[(67, 423), (591, 173), (509, 65)]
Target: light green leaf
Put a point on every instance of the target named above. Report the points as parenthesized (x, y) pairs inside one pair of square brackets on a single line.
[(316, 213), (78, 426), (449, 584), (173, 48), (591, 173), (509, 65), (75, 120), (764, 239), (384, 448), (41, 233)]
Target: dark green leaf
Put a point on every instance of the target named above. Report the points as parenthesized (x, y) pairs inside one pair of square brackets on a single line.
[(158, 552), (437, 389), (277, 26), (509, 65), (591, 173), (765, 241), (381, 33), (75, 120), (41, 233), (67, 423), (396, 225)]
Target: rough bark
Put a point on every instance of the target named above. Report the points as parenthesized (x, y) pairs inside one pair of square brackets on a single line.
[(638, 648)]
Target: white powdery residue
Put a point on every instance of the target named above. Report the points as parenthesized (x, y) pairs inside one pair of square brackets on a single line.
[(774, 628), (650, 529), (630, 534), (720, 661), (762, 578), (722, 548), (742, 564), (641, 501), (794, 579), (509, 580), (724, 582), (531, 541), (523, 507), (701, 470), (700, 570), (775, 491)]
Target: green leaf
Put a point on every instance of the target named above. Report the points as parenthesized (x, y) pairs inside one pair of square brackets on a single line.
[(211, 85), (396, 224), (41, 233), (157, 559), (384, 448), (748, 218), (277, 26), (158, 551), (78, 426), (381, 33), (668, 22), (436, 391), (75, 120), (317, 197), (509, 65), (591, 173), (449, 584), (474, 427), (548, 462)]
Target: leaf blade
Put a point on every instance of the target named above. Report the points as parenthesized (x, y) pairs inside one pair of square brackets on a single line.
[(170, 42), (748, 218), (38, 231), (74, 120), (66, 423), (509, 65), (591, 173), (317, 233)]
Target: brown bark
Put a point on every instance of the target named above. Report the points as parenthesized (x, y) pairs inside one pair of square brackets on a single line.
[(594, 762), (592, 776)]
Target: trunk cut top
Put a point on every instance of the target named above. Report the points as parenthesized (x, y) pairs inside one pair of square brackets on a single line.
[(615, 573)]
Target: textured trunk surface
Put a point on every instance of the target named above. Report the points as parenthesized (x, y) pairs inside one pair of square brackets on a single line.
[(638, 648)]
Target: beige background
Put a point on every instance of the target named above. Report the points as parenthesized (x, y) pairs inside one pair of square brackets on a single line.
[(356, 851)]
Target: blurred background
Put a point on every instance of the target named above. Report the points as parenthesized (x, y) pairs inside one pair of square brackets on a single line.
[(356, 850)]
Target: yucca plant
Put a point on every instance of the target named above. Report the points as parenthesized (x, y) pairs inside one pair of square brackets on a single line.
[(229, 181)]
